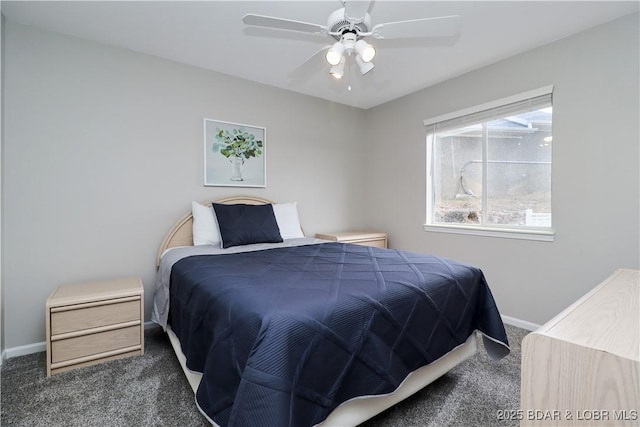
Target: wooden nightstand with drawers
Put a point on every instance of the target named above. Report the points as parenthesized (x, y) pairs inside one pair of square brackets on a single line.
[(89, 323), (364, 238)]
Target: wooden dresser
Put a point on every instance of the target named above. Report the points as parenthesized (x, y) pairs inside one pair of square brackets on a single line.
[(582, 368), (365, 238), (89, 323)]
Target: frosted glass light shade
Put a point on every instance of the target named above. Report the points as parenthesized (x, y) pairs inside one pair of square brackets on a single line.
[(365, 50), (337, 70), (365, 67), (335, 54)]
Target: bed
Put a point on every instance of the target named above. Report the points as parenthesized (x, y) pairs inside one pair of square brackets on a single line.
[(310, 332)]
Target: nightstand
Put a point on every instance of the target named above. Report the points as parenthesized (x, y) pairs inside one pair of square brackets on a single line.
[(89, 323), (364, 238)]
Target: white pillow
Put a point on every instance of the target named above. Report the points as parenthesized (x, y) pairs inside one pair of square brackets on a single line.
[(205, 226), (287, 219)]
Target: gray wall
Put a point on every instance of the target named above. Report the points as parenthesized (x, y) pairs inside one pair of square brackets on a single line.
[(2, 24), (103, 153), (595, 176)]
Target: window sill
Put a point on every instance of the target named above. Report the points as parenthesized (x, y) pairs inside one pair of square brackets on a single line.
[(542, 235)]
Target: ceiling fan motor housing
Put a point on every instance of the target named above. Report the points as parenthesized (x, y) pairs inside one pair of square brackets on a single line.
[(338, 24)]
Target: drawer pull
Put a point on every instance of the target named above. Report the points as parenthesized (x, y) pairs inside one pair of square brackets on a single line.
[(94, 330), (93, 304), (94, 357)]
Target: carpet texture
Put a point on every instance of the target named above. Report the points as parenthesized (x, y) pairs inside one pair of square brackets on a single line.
[(152, 391)]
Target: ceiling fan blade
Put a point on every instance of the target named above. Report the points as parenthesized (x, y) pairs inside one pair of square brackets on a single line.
[(310, 67), (283, 24), (443, 26), (355, 10)]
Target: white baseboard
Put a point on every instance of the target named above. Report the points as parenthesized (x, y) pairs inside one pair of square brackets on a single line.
[(529, 326), (23, 350), (150, 325)]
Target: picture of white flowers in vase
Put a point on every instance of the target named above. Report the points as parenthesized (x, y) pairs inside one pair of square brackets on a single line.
[(237, 146), (234, 154)]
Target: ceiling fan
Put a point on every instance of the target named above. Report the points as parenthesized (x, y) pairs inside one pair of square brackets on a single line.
[(350, 25)]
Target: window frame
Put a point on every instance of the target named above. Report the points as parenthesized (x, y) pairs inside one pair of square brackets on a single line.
[(489, 230)]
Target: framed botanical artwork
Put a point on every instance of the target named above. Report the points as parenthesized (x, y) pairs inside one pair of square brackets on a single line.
[(234, 154)]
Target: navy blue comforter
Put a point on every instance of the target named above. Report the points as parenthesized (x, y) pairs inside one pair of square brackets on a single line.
[(283, 336)]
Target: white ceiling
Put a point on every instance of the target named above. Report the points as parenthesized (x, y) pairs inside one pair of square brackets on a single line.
[(211, 35)]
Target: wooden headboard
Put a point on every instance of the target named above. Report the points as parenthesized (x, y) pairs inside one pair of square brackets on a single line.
[(181, 234)]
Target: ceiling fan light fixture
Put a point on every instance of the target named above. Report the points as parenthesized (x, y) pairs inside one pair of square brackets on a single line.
[(335, 54), (350, 26), (365, 51), (337, 70), (365, 67)]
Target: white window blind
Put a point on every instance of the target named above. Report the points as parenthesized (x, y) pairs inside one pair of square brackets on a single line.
[(524, 102)]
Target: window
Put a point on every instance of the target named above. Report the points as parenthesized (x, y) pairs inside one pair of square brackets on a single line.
[(489, 168)]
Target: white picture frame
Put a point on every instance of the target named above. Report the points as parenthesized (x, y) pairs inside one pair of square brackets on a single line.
[(234, 154)]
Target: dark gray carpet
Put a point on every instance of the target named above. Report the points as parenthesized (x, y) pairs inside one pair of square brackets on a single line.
[(470, 395), (152, 391)]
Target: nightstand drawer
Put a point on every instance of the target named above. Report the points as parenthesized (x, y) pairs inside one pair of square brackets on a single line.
[(92, 322), (101, 342), (376, 243), (87, 316), (363, 238)]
